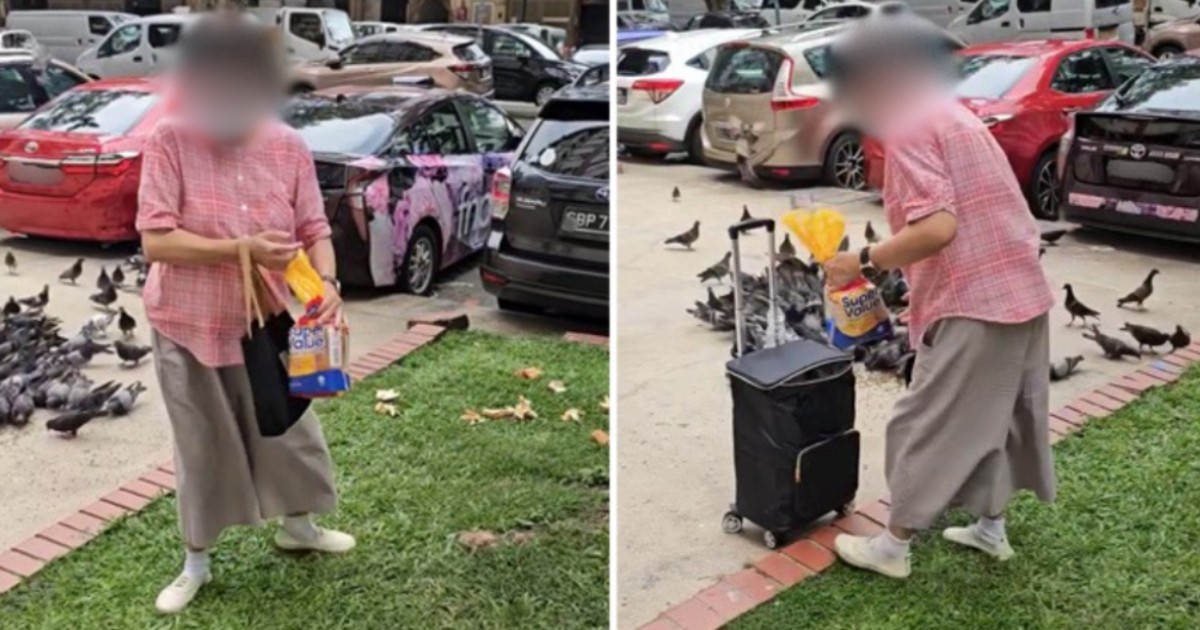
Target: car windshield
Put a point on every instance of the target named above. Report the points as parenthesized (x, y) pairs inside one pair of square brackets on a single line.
[(339, 27), (990, 76), (100, 112), (356, 127), (542, 49), (576, 148), (1169, 88)]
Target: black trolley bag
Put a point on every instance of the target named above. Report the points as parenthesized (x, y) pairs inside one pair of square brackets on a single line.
[(795, 450)]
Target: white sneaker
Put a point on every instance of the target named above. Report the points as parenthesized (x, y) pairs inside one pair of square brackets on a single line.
[(857, 551), (970, 536), (326, 540), (178, 594)]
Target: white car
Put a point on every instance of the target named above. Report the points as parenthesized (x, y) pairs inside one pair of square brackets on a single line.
[(17, 39), (660, 85), (141, 47)]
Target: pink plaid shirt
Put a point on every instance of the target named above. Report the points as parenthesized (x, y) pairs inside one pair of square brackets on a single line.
[(189, 184), (990, 271)]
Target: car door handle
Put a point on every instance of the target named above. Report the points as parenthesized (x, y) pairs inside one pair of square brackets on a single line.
[(1006, 24), (138, 59), (1021, 22)]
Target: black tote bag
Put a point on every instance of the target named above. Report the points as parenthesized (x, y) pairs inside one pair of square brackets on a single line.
[(264, 349)]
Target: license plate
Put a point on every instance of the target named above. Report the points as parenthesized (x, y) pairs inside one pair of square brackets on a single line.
[(583, 223), (622, 96)]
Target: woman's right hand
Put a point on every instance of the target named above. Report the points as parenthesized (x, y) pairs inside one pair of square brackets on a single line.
[(272, 249)]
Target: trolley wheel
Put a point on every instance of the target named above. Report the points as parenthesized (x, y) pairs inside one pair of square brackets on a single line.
[(773, 540), (731, 523), (846, 510)]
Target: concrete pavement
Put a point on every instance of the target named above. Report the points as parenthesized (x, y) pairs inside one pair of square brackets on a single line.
[(675, 464)]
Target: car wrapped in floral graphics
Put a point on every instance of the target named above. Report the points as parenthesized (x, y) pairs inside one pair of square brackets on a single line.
[(406, 174)]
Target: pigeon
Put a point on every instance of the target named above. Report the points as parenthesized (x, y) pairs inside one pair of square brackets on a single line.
[(1180, 338), (126, 323), (22, 409), (1112, 347), (745, 213), (844, 246), (687, 238), (118, 277), (1063, 370), (10, 261), (69, 423), (38, 301), (11, 307), (1041, 251), (73, 272), (786, 249), (130, 353), (123, 400), (1140, 294), (870, 234), (105, 298), (675, 195), (1051, 237), (102, 281), (718, 271), (97, 326), (1146, 336), (1076, 308)]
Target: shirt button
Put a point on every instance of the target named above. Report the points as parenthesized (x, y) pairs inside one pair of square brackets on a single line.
[(239, 178), (243, 207)]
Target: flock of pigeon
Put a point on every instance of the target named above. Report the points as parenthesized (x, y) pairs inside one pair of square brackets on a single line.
[(41, 368), (801, 307)]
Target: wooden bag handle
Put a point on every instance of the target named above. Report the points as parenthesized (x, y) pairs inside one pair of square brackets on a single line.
[(254, 310)]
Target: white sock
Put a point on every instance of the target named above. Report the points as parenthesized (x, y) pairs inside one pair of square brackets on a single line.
[(888, 546), (991, 529), (301, 527), (195, 564)]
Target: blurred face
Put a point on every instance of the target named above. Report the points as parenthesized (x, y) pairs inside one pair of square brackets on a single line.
[(884, 98), (227, 103)]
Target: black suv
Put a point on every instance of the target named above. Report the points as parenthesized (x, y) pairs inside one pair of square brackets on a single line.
[(549, 242)]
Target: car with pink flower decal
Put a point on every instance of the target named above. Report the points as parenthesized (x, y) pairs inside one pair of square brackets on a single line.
[(406, 174)]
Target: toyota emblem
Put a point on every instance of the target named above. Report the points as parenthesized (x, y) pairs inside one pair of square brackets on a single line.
[(1137, 151), (602, 194), (31, 147)]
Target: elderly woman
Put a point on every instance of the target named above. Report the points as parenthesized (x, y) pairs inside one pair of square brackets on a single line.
[(221, 177), (972, 429)]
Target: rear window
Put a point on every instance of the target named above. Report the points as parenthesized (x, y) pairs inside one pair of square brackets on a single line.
[(1173, 87), (351, 128), (470, 52), (744, 70), (818, 60), (990, 76), (568, 147), (639, 62), (100, 112)]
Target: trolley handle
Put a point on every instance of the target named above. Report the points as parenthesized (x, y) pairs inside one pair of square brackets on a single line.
[(750, 225)]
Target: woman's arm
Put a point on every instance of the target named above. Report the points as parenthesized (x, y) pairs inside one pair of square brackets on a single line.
[(272, 249), (916, 241), (323, 260)]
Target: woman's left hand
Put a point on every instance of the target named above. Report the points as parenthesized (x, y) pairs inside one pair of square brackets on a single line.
[(330, 311), (842, 269)]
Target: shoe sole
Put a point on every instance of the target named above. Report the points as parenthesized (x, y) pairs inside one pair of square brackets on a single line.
[(869, 567), (999, 556), (287, 546)]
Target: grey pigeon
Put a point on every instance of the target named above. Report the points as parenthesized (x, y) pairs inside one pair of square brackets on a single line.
[(1141, 293), (118, 277), (102, 281), (870, 234), (10, 261), (1146, 336), (1077, 308), (126, 323), (123, 400), (39, 300), (675, 194), (73, 272), (130, 352), (1063, 370), (105, 297), (1180, 338), (71, 422), (718, 270), (1112, 347), (746, 216), (22, 409), (686, 238)]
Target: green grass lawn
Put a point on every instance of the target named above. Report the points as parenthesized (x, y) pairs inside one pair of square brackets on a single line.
[(409, 484), (1120, 549)]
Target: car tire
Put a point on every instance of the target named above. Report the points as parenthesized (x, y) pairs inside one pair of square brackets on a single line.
[(422, 259), (1166, 51), (1043, 189), (543, 92), (846, 163), (695, 142)]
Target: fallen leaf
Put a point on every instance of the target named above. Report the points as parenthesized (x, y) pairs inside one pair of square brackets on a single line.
[(472, 417), (572, 415), (604, 404), (477, 539), (529, 373), (600, 437), (496, 414), (523, 410), (557, 387), (387, 409), (521, 536), (387, 395)]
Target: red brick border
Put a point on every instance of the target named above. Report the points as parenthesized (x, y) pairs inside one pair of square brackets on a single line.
[(78, 528), (735, 595), (588, 338)]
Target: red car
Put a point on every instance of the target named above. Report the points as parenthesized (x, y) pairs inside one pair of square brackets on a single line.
[(1025, 92), (71, 169)]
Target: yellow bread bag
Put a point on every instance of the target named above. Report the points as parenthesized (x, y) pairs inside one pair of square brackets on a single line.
[(317, 354)]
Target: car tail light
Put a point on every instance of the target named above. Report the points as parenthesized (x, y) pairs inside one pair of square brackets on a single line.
[(657, 89), (501, 190), (1089, 33), (463, 70), (782, 98), (111, 164)]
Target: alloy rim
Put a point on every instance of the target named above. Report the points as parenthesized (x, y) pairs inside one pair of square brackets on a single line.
[(849, 166), (544, 94), (420, 269), (1047, 192)]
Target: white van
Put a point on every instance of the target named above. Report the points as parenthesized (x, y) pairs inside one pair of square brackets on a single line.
[(940, 12), (66, 34), (310, 34), (1008, 20), (137, 48)]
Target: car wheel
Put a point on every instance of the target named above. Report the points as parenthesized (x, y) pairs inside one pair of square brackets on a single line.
[(1043, 188), (421, 259), (695, 142), (1166, 51), (845, 163), (543, 93)]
